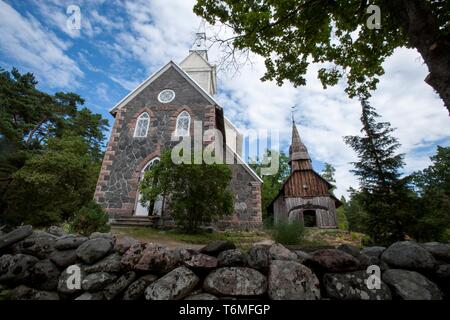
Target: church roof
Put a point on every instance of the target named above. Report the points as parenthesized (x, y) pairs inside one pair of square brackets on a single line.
[(298, 151)]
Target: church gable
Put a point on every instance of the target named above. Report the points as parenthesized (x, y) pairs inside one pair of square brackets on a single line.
[(169, 78), (305, 183)]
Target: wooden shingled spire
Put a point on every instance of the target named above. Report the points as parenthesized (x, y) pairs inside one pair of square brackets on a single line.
[(299, 158)]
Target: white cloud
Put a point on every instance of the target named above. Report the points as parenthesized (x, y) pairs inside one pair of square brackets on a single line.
[(159, 30), (102, 91), (126, 84), (26, 41)]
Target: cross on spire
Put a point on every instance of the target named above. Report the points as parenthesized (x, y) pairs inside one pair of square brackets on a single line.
[(293, 112), (200, 38)]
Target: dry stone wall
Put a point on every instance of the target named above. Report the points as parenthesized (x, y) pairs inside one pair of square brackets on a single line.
[(52, 265)]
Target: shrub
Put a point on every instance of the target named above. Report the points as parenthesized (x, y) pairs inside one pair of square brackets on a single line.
[(90, 218), (342, 218), (268, 222), (367, 241), (446, 236), (197, 194), (288, 232)]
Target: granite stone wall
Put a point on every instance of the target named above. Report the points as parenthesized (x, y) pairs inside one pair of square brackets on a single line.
[(247, 201), (53, 265)]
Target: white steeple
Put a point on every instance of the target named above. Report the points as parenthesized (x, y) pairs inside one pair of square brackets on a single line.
[(196, 64), (200, 45)]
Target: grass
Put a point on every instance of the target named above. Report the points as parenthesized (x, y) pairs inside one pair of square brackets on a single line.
[(4, 293), (242, 239), (313, 237), (332, 237)]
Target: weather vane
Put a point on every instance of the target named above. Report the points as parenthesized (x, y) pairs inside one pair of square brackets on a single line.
[(293, 112)]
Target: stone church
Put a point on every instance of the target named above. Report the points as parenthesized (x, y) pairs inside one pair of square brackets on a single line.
[(162, 107), (305, 196)]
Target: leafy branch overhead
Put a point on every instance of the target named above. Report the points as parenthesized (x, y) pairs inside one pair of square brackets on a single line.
[(292, 34)]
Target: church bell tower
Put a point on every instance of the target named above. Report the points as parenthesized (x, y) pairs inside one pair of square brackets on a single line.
[(197, 66)]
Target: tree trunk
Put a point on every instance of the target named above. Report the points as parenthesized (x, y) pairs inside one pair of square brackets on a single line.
[(421, 27), (35, 129)]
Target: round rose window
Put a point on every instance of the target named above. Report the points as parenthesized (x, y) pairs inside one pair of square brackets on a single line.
[(166, 96)]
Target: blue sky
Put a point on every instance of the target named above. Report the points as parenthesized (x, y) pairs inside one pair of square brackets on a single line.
[(121, 42)]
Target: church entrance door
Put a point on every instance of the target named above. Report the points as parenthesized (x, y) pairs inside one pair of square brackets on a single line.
[(309, 218), (154, 207)]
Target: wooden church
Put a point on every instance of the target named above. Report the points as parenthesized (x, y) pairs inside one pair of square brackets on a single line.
[(305, 196)]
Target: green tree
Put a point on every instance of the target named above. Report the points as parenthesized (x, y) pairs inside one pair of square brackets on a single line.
[(196, 194), (271, 183), (292, 34), (50, 151), (384, 195), (52, 184), (355, 213), (328, 173), (433, 210), (341, 216), (29, 117)]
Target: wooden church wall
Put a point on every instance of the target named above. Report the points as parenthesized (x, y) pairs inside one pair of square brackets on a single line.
[(294, 187), (279, 209), (325, 218)]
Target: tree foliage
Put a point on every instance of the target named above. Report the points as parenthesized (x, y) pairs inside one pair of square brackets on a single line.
[(328, 173), (271, 183), (197, 193), (355, 212), (341, 215), (433, 209), (90, 218), (292, 34), (50, 151), (384, 196)]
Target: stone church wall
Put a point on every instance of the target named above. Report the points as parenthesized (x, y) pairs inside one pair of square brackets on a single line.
[(126, 156), (247, 201)]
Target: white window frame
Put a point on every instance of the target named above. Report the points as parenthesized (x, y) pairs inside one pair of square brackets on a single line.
[(162, 92), (177, 132), (140, 118)]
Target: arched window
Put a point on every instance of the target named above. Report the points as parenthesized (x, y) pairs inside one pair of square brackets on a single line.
[(183, 124), (142, 125)]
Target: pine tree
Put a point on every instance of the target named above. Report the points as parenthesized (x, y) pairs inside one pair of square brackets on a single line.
[(383, 193), (328, 173)]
